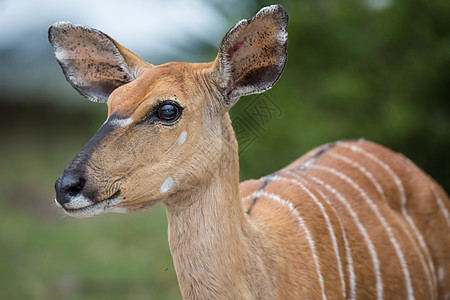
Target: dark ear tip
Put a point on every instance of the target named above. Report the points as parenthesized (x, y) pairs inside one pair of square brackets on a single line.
[(51, 34), (61, 25), (57, 28), (277, 11), (278, 8)]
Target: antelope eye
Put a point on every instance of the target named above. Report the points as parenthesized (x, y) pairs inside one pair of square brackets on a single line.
[(168, 112)]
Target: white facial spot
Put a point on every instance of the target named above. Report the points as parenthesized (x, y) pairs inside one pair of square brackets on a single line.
[(167, 185), (120, 122), (182, 138)]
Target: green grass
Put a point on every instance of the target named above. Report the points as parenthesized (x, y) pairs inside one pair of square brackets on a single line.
[(108, 257)]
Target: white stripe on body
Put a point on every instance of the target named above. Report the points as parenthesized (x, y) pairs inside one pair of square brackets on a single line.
[(363, 170), (302, 224), (433, 189), (349, 258), (380, 217), (441, 204), (362, 229), (327, 220), (430, 271)]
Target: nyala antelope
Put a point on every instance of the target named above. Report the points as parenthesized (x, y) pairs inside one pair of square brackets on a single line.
[(348, 220)]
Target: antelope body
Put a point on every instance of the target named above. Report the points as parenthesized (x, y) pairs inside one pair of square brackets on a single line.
[(349, 220)]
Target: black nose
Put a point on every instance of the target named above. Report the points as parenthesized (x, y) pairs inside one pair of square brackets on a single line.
[(67, 186)]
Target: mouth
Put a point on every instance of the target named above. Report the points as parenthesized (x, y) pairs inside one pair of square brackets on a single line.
[(107, 205)]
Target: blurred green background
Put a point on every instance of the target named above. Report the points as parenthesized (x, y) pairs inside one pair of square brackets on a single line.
[(377, 69)]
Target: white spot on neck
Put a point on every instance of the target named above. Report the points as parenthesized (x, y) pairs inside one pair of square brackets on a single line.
[(441, 273), (120, 122), (167, 185), (182, 138)]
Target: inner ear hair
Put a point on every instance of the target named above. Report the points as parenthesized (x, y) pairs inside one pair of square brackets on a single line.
[(93, 62), (253, 54)]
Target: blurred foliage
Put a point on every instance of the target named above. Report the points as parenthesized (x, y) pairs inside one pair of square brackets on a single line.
[(354, 70)]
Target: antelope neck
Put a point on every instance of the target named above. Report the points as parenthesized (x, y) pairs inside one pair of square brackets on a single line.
[(213, 242)]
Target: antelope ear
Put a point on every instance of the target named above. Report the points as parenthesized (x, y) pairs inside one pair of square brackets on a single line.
[(253, 54), (93, 62)]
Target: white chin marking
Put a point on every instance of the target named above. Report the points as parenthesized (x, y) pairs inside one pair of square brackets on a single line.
[(167, 185), (91, 210), (78, 202), (182, 138)]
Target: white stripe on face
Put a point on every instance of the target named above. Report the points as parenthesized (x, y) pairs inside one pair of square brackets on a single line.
[(119, 122)]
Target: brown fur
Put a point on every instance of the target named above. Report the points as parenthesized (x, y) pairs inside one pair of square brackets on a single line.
[(255, 240), (421, 206)]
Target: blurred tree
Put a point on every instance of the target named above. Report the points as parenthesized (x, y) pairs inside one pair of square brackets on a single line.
[(376, 69)]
